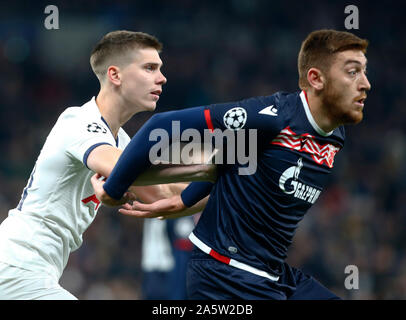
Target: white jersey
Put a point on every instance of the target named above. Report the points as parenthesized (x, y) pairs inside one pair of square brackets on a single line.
[(156, 247), (58, 204)]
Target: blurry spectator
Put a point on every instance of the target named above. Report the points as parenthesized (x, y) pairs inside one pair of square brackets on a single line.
[(165, 254)]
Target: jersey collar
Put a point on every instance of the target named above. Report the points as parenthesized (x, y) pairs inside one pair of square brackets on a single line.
[(94, 105), (303, 97)]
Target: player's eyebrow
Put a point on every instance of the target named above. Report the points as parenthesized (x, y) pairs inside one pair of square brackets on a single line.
[(153, 64), (355, 61)]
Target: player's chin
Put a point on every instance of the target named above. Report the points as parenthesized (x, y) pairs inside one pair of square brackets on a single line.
[(354, 117), (150, 106)]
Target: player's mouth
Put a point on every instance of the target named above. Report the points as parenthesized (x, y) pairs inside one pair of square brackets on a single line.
[(360, 101), (156, 94)]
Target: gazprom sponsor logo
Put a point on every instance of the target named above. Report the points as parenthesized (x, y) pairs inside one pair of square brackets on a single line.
[(289, 184)]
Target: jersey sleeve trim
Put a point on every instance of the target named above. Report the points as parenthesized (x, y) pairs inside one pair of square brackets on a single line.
[(207, 116), (90, 149)]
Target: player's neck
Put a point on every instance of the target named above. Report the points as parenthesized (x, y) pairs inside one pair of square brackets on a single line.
[(320, 112), (112, 110)]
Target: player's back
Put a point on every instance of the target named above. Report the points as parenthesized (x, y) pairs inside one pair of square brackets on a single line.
[(57, 205)]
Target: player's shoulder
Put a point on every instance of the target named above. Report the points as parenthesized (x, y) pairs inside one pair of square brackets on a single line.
[(74, 118), (265, 113), (271, 109), (271, 104), (86, 111), (287, 101), (70, 113)]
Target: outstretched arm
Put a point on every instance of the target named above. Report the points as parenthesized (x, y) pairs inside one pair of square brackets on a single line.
[(149, 186), (104, 157), (135, 158)]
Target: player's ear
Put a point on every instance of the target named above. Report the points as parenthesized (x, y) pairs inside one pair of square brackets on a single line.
[(114, 75), (316, 79)]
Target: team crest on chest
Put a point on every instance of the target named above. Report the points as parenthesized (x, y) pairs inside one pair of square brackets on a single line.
[(322, 154)]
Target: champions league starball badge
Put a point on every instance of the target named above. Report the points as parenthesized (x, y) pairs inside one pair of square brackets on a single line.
[(235, 118)]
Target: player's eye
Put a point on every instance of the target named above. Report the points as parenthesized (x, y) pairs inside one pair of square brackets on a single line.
[(150, 67)]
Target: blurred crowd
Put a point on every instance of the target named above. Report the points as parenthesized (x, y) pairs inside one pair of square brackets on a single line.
[(216, 52)]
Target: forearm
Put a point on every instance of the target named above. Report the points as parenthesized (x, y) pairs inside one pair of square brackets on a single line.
[(167, 208), (171, 173), (195, 192), (150, 194)]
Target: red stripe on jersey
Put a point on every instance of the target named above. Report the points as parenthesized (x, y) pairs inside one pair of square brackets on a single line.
[(219, 257), (208, 119)]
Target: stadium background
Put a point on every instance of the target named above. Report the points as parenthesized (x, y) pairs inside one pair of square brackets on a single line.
[(215, 52)]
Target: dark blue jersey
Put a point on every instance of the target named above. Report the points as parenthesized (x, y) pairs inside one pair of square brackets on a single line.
[(252, 218)]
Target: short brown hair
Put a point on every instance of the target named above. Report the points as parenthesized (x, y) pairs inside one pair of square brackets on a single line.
[(319, 47), (116, 45)]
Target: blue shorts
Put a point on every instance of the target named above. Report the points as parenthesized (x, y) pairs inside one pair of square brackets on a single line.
[(208, 278)]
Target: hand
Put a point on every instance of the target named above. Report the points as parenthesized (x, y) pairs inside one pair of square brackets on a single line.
[(164, 208), (102, 195)]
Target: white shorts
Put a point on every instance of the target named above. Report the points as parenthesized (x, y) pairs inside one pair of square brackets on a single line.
[(21, 284)]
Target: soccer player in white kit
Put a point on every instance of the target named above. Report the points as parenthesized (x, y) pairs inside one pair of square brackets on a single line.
[(58, 203)]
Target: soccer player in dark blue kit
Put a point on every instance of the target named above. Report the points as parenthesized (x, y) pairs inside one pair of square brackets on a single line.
[(249, 221)]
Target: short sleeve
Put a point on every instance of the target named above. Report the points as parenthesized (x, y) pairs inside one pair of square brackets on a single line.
[(85, 135)]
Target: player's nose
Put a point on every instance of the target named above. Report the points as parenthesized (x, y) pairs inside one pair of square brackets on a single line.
[(365, 84), (161, 79)]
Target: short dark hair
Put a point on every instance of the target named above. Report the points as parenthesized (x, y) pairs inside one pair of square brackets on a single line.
[(319, 48), (117, 44)]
